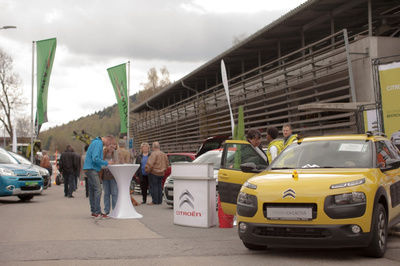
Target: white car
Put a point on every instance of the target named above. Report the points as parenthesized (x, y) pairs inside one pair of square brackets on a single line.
[(213, 156)]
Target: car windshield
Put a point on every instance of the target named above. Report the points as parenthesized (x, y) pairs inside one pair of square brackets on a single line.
[(210, 157), (6, 158), (175, 158), (20, 159), (326, 154)]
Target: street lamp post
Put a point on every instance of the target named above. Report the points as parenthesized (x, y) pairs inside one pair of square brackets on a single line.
[(8, 27)]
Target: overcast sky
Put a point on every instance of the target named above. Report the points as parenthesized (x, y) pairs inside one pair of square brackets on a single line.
[(93, 35)]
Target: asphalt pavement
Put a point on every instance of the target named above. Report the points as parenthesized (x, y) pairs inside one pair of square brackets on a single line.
[(54, 230)]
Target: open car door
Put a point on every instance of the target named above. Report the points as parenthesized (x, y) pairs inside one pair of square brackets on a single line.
[(238, 155)]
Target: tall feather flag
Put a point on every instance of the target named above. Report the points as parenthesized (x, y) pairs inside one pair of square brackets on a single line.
[(118, 79), (45, 50)]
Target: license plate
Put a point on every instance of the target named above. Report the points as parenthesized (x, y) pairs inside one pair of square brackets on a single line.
[(31, 183), (275, 213), (170, 193)]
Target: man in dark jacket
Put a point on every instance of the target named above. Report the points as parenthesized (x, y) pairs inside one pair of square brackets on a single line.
[(68, 170)]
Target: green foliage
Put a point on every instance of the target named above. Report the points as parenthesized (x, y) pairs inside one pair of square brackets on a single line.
[(101, 123)]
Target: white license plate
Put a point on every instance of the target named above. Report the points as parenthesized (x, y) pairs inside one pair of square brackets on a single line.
[(277, 213), (170, 193)]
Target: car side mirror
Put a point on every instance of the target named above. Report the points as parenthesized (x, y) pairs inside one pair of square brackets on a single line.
[(391, 164), (249, 167)]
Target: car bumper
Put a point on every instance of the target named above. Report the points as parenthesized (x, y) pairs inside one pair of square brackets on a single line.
[(17, 187), (169, 194), (315, 236)]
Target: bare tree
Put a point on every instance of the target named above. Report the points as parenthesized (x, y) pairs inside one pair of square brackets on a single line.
[(11, 93), (154, 83), (23, 127)]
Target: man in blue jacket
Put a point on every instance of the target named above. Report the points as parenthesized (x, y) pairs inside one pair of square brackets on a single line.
[(92, 165)]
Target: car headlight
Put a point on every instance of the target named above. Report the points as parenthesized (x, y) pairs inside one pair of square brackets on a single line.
[(349, 198), (247, 199), (6, 172), (43, 172), (250, 185), (349, 184), (246, 204)]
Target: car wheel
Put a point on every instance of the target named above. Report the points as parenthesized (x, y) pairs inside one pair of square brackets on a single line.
[(253, 246), (377, 247), (25, 197)]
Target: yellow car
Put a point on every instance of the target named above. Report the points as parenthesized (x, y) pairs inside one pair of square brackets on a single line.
[(330, 191)]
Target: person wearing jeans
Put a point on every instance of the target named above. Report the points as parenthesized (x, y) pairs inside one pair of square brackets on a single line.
[(109, 184), (156, 166), (155, 188), (94, 192), (92, 165), (141, 173)]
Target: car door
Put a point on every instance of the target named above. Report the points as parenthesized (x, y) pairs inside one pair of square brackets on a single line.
[(386, 150), (230, 175)]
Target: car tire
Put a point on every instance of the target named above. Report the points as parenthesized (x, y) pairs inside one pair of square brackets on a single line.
[(253, 246), (379, 230), (25, 197), (58, 181)]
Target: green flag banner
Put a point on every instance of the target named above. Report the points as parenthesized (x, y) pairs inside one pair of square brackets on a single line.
[(45, 50), (118, 79)]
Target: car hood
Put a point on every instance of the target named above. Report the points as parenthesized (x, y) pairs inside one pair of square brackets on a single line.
[(21, 169), (309, 180)]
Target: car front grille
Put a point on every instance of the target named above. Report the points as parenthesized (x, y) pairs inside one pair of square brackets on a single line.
[(294, 232), (166, 193), (29, 188), (30, 179)]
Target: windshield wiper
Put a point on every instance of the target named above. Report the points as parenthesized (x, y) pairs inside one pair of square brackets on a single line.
[(280, 168)]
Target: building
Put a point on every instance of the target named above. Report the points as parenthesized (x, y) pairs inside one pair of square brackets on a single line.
[(313, 68)]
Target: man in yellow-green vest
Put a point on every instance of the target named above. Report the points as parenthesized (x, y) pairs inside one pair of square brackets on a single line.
[(288, 137), (275, 146)]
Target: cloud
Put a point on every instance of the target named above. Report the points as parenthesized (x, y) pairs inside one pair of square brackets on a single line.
[(136, 29), (93, 35)]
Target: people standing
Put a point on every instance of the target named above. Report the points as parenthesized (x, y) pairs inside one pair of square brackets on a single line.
[(93, 163), (288, 136), (83, 173), (156, 166), (67, 169), (141, 172), (122, 154), (77, 159), (45, 163), (254, 138), (275, 145), (109, 183)]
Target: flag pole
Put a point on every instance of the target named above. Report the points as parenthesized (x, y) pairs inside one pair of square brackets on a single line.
[(33, 85), (129, 84)]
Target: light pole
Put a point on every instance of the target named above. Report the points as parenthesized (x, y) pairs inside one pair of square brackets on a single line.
[(8, 27)]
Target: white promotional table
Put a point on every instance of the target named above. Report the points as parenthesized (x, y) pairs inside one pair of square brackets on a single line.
[(123, 174), (194, 194)]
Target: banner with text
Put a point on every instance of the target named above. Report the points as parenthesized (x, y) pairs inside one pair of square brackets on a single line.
[(45, 50), (118, 79), (389, 76)]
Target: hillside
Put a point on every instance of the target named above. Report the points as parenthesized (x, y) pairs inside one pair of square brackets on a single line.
[(101, 123)]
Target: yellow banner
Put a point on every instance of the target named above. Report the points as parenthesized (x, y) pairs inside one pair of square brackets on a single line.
[(389, 76)]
